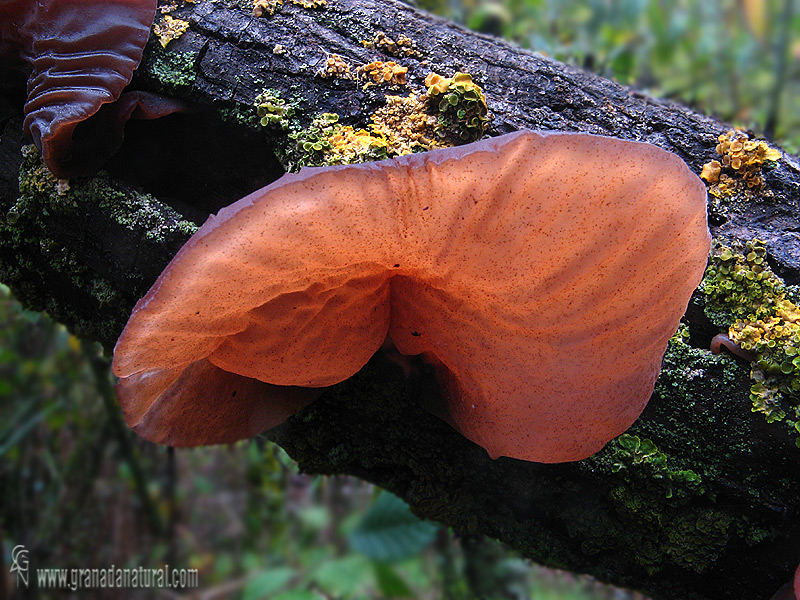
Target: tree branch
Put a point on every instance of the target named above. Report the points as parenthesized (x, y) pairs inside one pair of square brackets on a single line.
[(716, 520)]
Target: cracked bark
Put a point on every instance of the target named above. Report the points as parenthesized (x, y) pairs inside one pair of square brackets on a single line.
[(87, 262)]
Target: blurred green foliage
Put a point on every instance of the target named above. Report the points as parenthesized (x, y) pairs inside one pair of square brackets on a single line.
[(735, 60)]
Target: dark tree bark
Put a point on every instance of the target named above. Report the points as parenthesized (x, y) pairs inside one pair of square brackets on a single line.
[(729, 529)]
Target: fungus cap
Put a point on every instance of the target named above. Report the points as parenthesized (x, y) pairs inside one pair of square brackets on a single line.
[(542, 274)]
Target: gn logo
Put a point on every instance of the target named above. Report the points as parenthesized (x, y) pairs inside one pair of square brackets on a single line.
[(19, 564)]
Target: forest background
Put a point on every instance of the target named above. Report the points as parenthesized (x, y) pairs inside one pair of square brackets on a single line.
[(79, 489)]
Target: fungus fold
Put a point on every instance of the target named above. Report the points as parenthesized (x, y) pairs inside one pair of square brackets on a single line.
[(81, 54), (541, 273)]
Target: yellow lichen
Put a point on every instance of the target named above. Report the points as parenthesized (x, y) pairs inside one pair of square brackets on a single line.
[(169, 29), (711, 171), (327, 142), (403, 47), (335, 67), (354, 146), (453, 111), (380, 72), (266, 8), (741, 289), (406, 125), (310, 3), (740, 166), (775, 341)]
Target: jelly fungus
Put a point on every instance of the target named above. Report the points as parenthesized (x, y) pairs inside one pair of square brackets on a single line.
[(541, 274)]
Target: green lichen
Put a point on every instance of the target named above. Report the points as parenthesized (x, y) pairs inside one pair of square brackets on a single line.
[(104, 292), (584, 516), (740, 285), (665, 492), (328, 142), (136, 212), (744, 295), (36, 178), (272, 110), (633, 452), (309, 146), (39, 253), (462, 112), (697, 384), (452, 112), (241, 115), (689, 538), (175, 71), (246, 5)]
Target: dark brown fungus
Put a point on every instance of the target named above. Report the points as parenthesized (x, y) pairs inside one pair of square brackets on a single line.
[(81, 54)]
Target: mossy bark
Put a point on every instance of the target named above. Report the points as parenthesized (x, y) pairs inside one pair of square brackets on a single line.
[(700, 501)]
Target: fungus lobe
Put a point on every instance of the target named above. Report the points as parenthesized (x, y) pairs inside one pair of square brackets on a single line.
[(721, 340), (81, 54), (542, 274)]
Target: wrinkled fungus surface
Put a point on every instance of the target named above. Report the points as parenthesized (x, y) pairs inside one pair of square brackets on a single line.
[(81, 54), (542, 274)]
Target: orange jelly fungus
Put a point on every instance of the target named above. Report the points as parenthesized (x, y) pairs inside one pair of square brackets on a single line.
[(542, 274)]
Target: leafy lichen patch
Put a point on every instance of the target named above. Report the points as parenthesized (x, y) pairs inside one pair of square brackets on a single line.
[(274, 110), (739, 169), (327, 142), (462, 112), (38, 233), (631, 451), (403, 47), (743, 294), (453, 111), (406, 125), (174, 71), (383, 73), (169, 28), (664, 485)]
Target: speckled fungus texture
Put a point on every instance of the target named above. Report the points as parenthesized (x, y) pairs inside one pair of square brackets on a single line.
[(541, 274), (81, 54)]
